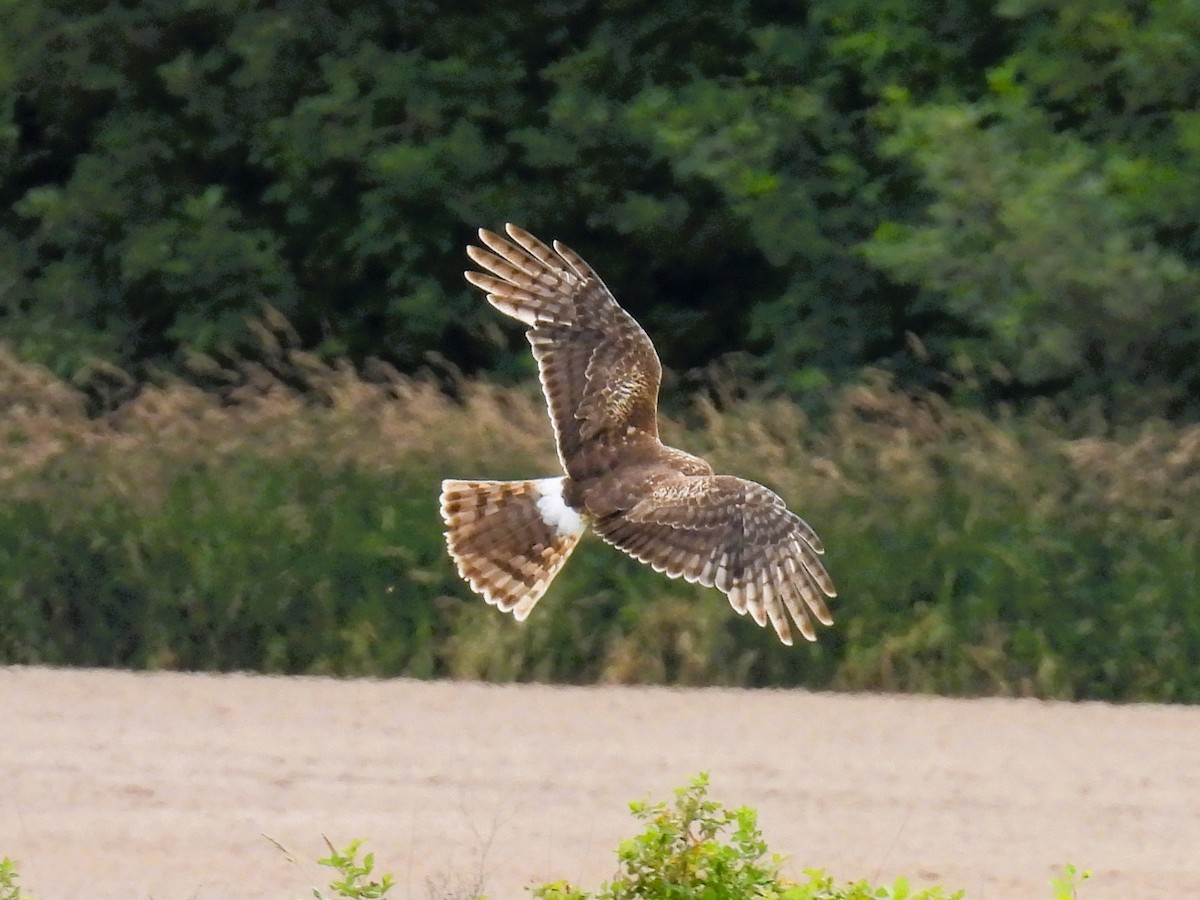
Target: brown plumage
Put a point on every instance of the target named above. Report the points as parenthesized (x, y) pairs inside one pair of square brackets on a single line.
[(601, 376)]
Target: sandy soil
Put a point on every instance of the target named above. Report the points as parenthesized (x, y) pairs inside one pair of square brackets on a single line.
[(120, 785)]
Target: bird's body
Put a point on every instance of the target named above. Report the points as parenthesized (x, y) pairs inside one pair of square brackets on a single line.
[(600, 375)]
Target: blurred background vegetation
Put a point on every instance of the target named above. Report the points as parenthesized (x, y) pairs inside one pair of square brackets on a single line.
[(929, 269)]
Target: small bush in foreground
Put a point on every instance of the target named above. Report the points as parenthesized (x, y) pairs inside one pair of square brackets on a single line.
[(355, 882), (1067, 887), (697, 848), (694, 849), (9, 889)]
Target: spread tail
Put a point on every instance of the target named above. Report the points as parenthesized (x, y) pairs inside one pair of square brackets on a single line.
[(509, 538)]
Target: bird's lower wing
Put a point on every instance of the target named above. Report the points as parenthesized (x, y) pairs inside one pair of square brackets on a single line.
[(734, 535)]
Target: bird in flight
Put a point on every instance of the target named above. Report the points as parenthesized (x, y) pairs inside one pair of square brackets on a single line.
[(662, 506)]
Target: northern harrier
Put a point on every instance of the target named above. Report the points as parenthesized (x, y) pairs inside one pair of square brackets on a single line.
[(662, 506)]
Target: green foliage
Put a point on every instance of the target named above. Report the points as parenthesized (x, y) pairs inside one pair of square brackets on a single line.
[(254, 567), (9, 889), (355, 882), (684, 850), (287, 521), (696, 849), (1012, 183), (268, 550), (1031, 241), (1067, 886)]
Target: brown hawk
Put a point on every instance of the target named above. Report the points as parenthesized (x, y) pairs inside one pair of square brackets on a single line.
[(662, 506)]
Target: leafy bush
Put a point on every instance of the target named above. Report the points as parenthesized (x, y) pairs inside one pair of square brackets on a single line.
[(698, 849), (286, 520), (355, 881), (1031, 241), (9, 889), (693, 849)]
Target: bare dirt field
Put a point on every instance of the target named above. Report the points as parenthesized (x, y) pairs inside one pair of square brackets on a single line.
[(121, 785)]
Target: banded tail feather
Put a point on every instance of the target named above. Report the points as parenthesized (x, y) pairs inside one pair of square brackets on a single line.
[(509, 538)]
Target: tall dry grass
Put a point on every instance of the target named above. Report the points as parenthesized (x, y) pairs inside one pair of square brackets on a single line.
[(283, 517)]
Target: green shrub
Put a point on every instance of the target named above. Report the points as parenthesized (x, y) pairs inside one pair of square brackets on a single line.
[(355, 881), (693, 849), (696, 849), (9, 889), (285, 520)]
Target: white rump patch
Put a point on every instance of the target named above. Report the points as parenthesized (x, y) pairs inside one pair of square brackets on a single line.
[(554, 510)]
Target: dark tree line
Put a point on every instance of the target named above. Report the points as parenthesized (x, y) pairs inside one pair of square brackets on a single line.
[(1009, 189)]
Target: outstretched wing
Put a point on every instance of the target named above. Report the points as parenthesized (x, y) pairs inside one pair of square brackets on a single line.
[(599, 371), (732, 534)]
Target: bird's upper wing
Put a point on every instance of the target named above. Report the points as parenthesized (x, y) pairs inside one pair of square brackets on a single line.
[(732, 534), (599, 371)]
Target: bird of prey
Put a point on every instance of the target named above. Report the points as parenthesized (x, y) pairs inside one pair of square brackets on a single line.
[(660, 505)]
